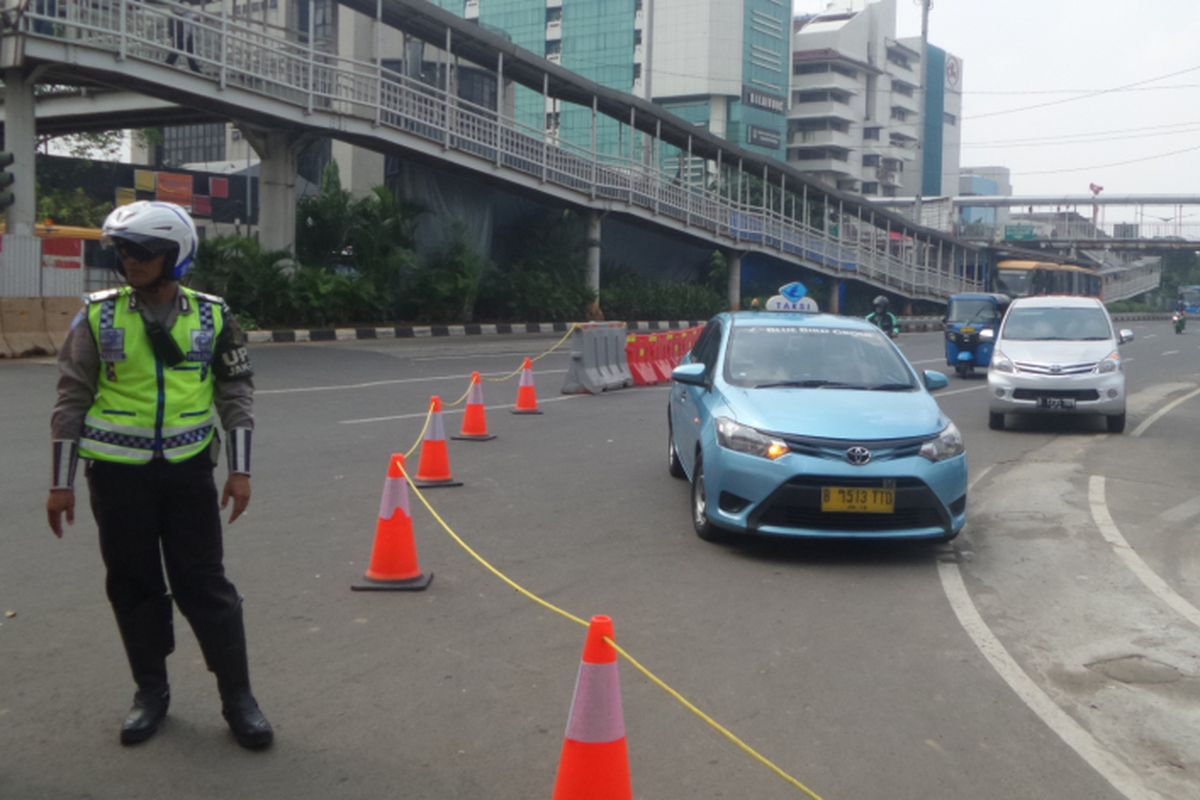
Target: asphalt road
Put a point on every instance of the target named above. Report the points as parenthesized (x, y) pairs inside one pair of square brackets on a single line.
[(1052, 650)]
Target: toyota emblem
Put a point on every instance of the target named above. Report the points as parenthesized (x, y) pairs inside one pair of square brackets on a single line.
[(858, 455), (1056, 368)]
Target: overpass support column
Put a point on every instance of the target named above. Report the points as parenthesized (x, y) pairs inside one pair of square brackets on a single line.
[(733, 261), (20, 139), (835, 296), (593, 263), (278, 152)]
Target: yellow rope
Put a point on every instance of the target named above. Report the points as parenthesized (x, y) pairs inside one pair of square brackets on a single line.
[(636, 664), (557, 345), (421, 435)]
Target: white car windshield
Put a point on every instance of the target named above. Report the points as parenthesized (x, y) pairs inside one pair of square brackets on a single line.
[(815, 357), (1056, 324)]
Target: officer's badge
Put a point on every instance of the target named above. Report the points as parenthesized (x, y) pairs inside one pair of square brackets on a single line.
[(202, 346), (112, 344)]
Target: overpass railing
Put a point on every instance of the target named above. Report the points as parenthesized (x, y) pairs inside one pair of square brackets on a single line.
[(285, 66)]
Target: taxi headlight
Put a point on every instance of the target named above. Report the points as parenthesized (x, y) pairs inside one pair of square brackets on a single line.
[(744, 439), (1002, 363), (947, 444), (1110, 363)]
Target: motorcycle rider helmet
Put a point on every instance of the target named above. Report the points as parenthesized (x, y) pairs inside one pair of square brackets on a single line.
[(880, 303), (150, 228)]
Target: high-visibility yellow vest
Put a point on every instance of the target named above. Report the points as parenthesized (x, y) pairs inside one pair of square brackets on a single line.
[(143, 408)]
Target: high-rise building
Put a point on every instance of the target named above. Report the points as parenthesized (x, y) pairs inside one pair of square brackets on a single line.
[(724, 65), (983, 221), (859, 118)]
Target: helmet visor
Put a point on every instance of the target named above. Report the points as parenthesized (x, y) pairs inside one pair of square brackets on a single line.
[(143, 249)]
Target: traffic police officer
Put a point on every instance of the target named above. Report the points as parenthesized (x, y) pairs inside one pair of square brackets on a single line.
[(139, 375)]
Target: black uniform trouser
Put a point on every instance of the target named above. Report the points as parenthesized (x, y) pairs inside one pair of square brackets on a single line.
[(158, 514)]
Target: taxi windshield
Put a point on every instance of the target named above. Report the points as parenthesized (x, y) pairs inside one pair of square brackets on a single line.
[(816, 358)]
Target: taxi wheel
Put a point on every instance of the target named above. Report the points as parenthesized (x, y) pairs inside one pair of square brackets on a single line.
[(674, 466), (1116, 423), (704, 529), (995, 421)]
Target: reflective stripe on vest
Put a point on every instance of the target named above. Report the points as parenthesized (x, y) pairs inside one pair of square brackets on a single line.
[(144, 409)]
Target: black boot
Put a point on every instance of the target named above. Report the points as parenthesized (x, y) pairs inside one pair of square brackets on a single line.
[(224, 646), (148, 636)]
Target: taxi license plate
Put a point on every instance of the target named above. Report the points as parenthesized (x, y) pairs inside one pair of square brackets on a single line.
[(861, 500), (1056, 402)]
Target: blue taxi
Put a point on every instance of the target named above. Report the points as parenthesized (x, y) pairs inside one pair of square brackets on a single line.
[(813, 425)]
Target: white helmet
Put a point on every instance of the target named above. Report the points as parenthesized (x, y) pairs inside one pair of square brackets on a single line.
[(162, 228)]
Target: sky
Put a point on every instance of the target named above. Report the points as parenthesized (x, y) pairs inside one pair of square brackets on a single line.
[(1117, 85)]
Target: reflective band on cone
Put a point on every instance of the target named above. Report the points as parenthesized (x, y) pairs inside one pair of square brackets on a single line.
[(434, 469), (595, 757), (474, 427), (527, 391), (394, 565)]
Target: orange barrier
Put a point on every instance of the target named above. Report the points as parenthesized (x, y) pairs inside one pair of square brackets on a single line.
[(59, 313), (527, 391), (24, 326), (394, 564), (637, 353), (474, 427), (595, 757), (434, 468), (661, 345)]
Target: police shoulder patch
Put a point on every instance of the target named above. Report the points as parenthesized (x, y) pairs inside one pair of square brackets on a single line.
[(101, 296), (211, 298)]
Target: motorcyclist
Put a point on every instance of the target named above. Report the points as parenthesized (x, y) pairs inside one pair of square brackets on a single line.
[(882, 317)]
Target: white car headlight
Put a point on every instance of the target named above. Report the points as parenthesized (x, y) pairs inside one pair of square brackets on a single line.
[(744, 439), (946, 444), (1002, 363), (1110, 363)]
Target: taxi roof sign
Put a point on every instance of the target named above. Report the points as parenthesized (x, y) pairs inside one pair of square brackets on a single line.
[(793, 297)]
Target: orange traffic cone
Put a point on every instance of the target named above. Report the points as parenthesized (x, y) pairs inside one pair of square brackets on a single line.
[(434, 469), (394, 563), (474, 427), (527, 391), (595, 758)]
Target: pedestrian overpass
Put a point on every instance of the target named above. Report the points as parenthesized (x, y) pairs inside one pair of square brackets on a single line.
[(281, 89)]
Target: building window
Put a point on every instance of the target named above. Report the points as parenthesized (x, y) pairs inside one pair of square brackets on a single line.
[(554, 14), (553, 47), (871, 134), (810, 69), (190, 144), (870, 187), (899, 87), (871, 160), (950, 119)]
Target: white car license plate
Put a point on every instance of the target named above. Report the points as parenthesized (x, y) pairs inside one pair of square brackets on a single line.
[(1056, 402)]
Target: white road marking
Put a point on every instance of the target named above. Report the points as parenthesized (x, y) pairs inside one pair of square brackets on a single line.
[(959, 391), (422, 414), (1157, 415), (927, 361), (375, 384), (1133, 561), (1182, 512), (1150, 335), (1169, 352), (1112, 769)]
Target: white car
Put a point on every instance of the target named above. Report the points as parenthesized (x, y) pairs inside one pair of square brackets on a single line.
[(1057, 355)]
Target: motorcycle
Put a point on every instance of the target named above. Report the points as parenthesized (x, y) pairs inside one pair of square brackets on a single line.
[(1179, 320)]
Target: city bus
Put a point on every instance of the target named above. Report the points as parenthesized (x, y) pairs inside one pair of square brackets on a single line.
[(1030, 277), (1190, 295)]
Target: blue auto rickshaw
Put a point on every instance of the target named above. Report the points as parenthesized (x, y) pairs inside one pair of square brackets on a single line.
[(966, 315)]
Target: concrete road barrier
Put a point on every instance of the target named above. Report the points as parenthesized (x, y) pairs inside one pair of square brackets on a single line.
[(59, 312), (24, 325)]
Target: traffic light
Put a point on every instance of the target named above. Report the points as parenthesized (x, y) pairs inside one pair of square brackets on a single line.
[(6, 180)]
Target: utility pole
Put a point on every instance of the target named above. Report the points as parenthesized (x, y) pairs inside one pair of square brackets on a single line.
[(923, 98)]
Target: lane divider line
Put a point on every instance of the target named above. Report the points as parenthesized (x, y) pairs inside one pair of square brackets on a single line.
[(1118, 774), (1108, 529), (1157, 415)]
